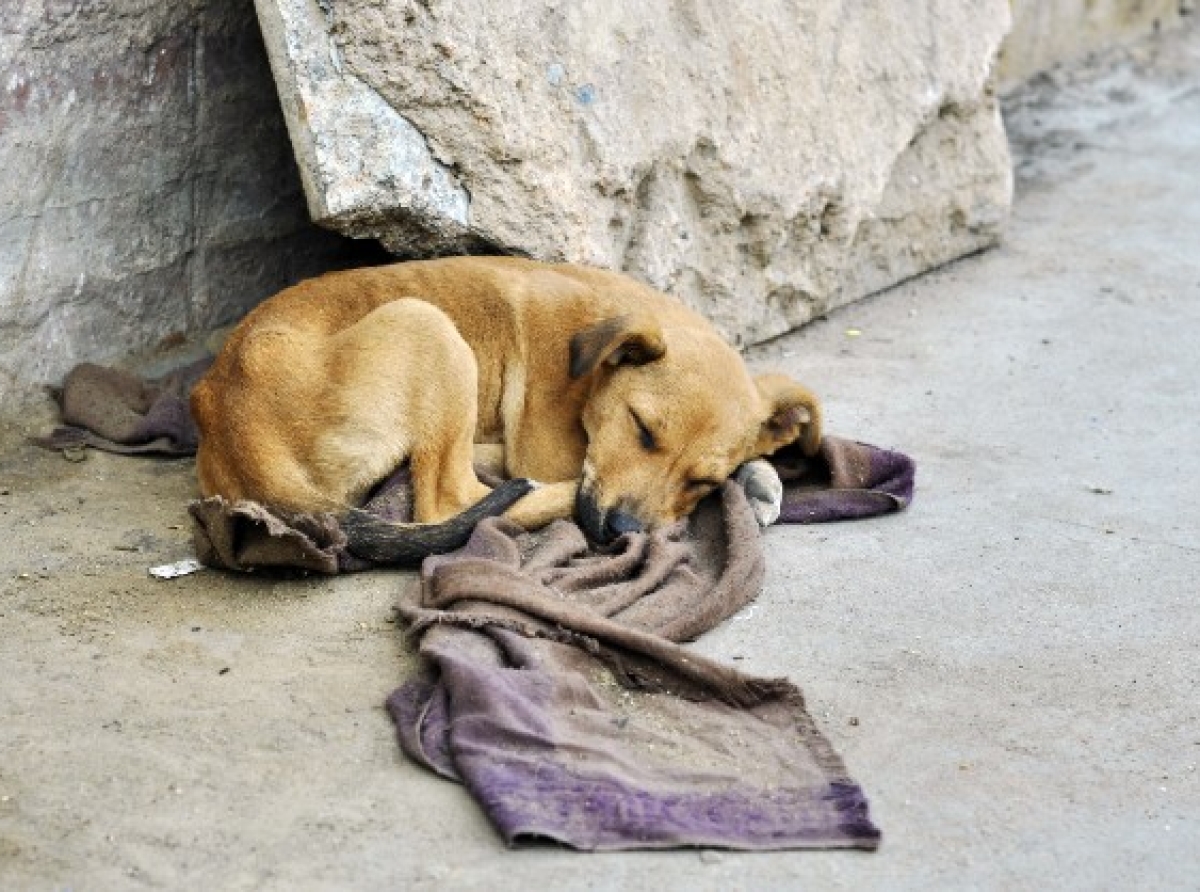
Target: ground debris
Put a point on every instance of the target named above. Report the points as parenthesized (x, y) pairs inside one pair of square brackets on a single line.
[(179, 568)]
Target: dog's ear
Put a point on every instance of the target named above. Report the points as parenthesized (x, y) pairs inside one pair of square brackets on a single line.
[(613, 342), (793, 413)]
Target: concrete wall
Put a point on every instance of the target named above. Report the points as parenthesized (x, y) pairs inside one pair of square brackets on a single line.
[(147, 185), (1046, 33)]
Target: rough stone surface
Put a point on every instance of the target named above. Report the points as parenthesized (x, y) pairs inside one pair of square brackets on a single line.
[(147, 185), (1010, 667), (763, 160), (1046, 33)]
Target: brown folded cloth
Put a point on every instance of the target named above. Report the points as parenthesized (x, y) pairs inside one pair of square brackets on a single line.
[(118, 411), (247, 536), (847, 481), (557, 692), (556, 688)]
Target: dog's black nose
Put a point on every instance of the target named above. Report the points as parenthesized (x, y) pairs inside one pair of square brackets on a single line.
[(618, 523)]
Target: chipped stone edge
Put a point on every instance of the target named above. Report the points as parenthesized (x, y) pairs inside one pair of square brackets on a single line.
[(353, 148)]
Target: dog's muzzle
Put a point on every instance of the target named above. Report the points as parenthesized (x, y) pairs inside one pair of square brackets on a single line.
[(601, 526)]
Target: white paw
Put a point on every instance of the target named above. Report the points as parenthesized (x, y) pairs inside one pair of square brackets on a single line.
[(763, 488)]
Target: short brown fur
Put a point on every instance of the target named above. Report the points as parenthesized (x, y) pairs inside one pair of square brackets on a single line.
[(617, 397)]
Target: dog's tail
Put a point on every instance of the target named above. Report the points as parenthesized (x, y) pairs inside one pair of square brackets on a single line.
[(375, 539)]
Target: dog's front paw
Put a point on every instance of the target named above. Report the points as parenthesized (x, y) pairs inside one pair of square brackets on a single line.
[(763, 488)]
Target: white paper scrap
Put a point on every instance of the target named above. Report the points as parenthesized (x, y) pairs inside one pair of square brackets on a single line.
[(179, 568)]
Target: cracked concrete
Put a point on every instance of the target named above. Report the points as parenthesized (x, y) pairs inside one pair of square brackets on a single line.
[(1010, 668)]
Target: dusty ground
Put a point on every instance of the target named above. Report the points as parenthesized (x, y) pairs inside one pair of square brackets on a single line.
[(1010, 668)]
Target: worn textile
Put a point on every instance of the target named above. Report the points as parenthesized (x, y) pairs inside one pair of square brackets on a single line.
[(847, 481), (556, 687), (118, 411), (559, 694)]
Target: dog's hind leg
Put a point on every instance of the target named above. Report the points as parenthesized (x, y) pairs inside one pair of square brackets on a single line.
[(444, 481), (442, 455), (548, 502), (401, 384)]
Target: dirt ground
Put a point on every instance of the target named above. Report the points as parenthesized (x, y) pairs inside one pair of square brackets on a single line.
[(1010, 668)]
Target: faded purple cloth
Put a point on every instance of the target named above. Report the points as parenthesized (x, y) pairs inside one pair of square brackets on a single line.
[(118, 411), (557, 692), (846, 481), (555, 686)]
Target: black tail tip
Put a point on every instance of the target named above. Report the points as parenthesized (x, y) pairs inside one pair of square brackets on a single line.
[(374, 539)]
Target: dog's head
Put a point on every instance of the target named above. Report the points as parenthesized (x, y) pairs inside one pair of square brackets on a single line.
[(671, 413)]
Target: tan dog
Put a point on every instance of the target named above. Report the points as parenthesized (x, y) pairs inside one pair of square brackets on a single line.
[(627, 405)]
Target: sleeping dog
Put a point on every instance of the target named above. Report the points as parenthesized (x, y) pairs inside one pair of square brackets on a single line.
[(625, 406)]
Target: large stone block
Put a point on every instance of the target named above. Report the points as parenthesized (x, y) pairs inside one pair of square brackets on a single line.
[(763, 159), (147, 186)]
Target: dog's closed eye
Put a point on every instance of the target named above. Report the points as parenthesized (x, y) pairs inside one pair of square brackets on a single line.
[(645, 435)]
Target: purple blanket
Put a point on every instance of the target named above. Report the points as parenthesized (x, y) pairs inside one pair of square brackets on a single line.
[(558, 696), (556, 685), (557, 690)]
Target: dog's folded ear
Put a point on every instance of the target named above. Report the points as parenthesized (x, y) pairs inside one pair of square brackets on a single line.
[(633, 340), (793, 414)]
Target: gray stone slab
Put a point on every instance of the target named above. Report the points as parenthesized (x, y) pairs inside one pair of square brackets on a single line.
[(147, 186), (765, 161)]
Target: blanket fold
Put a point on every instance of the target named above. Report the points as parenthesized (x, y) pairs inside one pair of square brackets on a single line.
[(556, 685), (118, 411), (573, 721)]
